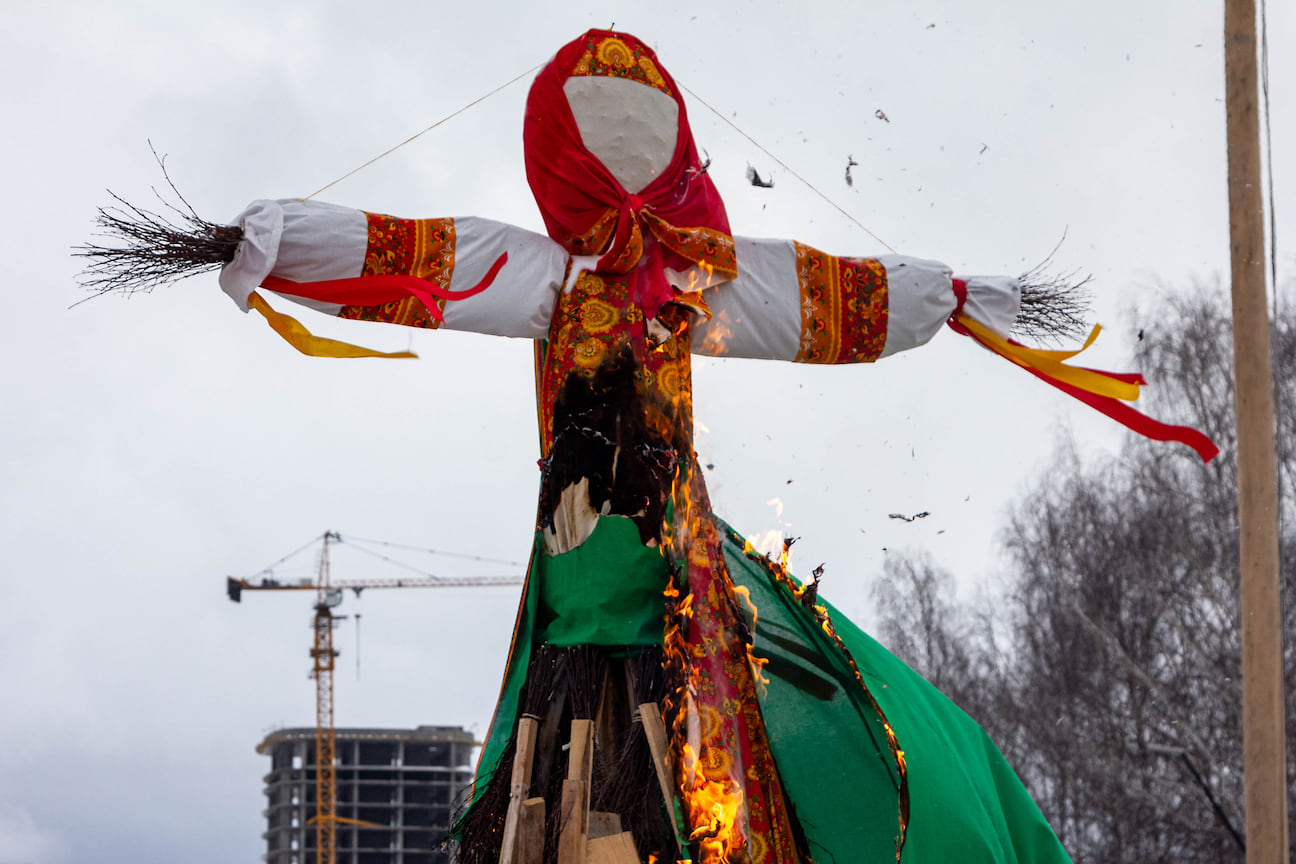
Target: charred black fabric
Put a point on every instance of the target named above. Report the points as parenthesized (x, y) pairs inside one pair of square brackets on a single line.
[(604, 431)]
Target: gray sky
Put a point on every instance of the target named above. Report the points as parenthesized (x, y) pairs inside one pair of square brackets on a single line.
[(150, 446)]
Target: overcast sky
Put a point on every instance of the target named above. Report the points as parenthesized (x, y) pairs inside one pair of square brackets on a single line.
[(151, 446)]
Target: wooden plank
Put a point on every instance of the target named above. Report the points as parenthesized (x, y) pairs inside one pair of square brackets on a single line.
[(656, 732), (531, 832), (571, 839), (603, 824), (574, 823), (579, 762), (614, 849), (519, 787), (580, 766)]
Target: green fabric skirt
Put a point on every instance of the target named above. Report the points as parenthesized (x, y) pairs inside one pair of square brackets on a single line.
[(965, 802), (830, 745)]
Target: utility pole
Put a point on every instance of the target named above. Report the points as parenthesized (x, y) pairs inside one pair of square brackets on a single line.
[(1263, 743)]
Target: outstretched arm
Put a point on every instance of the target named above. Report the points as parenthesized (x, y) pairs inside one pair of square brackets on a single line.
[(792, 302), (354, 264)]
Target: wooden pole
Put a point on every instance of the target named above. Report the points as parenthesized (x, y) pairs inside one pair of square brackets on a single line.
[(655, 731), (573, 832), (531, 832), (511, 851), (1264, 751)]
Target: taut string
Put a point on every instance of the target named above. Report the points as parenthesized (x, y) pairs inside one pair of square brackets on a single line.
[(789, 169), (704, 103), (449, 116)]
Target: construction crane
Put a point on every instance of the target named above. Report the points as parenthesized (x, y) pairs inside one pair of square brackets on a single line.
[(328, 595)]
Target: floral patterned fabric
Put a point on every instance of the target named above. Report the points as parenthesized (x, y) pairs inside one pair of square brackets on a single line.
[(606, 54), (720, 742), (843, 308), (424, 248)]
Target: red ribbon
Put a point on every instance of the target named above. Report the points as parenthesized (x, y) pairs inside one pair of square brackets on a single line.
[(380, 289), (1113, 408), (960, 295)]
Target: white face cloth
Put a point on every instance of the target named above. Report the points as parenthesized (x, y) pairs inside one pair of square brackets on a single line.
[(632, 128)]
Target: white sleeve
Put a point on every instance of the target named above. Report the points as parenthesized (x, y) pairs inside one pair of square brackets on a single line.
[(311, 241), (792, 302)]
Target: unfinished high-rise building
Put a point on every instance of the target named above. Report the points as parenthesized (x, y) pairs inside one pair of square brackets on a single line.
[(402, 782)]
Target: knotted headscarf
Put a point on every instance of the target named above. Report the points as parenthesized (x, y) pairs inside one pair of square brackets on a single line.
[(677, 222)]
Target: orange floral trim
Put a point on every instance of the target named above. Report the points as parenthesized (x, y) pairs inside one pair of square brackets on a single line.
[(596, 239), (596, 321), (732, 796), (708, 247), (612, 57), (580, 338), (633, 251), (713, 250), (843, 308), (416, 247)]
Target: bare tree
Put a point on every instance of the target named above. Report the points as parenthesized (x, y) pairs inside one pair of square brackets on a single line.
[(951, 645)]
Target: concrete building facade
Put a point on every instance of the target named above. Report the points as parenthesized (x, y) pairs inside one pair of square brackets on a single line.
[(405, 781)]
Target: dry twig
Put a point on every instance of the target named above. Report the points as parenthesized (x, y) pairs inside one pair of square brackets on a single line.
[(1053, 306), (153, 249)]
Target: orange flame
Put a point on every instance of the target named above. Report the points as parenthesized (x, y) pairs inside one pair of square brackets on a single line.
[(710, 785), (757, 664), (713, 800), (744, 593), (717, 335)]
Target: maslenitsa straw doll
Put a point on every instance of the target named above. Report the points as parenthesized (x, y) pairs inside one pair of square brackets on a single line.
[(670, 693)]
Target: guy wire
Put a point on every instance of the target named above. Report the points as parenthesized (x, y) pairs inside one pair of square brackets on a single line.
[(706, 104), (449, 116), (788, 169)]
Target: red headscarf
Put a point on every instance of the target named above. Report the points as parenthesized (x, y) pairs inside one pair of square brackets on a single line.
[(588, 212)]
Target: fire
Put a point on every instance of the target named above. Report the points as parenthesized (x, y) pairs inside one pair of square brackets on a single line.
[(744, 593), (710, 773), (713, 799), (695, 284), (768, 543), (711, 795), (717, 335), (785, 556), (757, 664)]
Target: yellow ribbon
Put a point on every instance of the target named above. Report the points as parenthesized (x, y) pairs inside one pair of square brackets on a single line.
[(296, 335), (1050, 362)]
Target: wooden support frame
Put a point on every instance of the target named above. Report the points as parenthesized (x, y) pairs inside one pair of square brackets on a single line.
[(613, 849), (573, 834), (584, 837), (655, 730), (531, 832), (519, 788)]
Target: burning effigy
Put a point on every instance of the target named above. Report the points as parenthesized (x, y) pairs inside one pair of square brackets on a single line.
[(670, 693)]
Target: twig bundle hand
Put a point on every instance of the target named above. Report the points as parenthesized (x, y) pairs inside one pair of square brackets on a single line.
[(153, 249), (1053, 308)]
